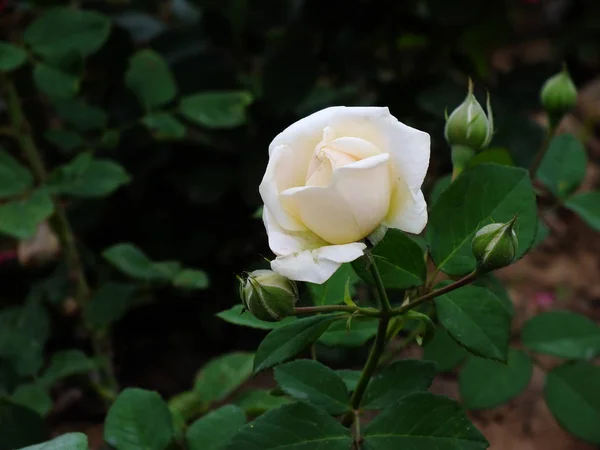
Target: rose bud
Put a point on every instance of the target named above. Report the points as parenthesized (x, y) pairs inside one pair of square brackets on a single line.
[(468, 125), (495, 246), (267, 295), (558, 96)]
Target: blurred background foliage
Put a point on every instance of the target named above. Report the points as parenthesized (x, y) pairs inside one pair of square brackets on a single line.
[(195, 169)]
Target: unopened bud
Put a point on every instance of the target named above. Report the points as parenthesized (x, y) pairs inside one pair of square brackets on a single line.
[(558, 95), (267, 295), (468, 125), (495, 246)]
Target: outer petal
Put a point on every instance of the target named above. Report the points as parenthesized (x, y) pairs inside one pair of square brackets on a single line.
[(282, 173), (284, 242), (316, 266), (350, 208), (308, 132), (408, 209)]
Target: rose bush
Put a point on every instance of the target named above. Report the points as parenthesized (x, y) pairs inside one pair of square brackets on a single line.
[(332, 179)]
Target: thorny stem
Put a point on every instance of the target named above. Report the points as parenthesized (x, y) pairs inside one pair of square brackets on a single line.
[(539, 157), (60, 224)]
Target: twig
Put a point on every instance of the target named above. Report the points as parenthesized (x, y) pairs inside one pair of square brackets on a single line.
[(62, 227), (431, 295)]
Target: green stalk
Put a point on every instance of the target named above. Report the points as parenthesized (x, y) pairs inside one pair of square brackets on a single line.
[(378, 346), (539, 157), (431, 295)]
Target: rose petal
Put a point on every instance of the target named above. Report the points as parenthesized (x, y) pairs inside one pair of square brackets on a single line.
[(317, 266), (353, 146), (306, 133), (409, 147), (408, 210), (283, 242), (351, 207), (282, 173)]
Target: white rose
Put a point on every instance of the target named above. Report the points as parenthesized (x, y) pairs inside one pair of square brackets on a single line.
[(332, 179)]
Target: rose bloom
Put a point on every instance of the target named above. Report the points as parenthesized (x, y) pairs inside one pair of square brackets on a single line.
[(332, 179)]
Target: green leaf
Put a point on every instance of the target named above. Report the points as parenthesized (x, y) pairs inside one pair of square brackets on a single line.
[(108, 304), (19, 426), (64, 30), (9, 379), (149, 76), (216, 109), (64, 364), (287, 341), (54, 82), (312, 382), (20, 218), (138, 420), (424, 421), (340, 334), (563, 334), (350, 377), (184, 406), (572, 392), (398, 380), (11, 57), (71, 62), (34, 397), (80, 114), (477, 320), (191, 279), (23, 333), (237, 316), (491, 283), (223, 375), (563, 168), (69, 441), (443, 351), (587, 206), (133, 262), (259, 401), (439, 187), (399, 259), (65, 139), (14, 177), (298, 426), (164, 126), (110, 139), (496, 155), (487, 384), (484, 194), (86, 176), (332, 291), (214, 430)]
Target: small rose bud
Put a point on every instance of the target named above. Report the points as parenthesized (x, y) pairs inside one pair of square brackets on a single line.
[(267, 295), (558, 96), (468, 125), (495, 246)]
